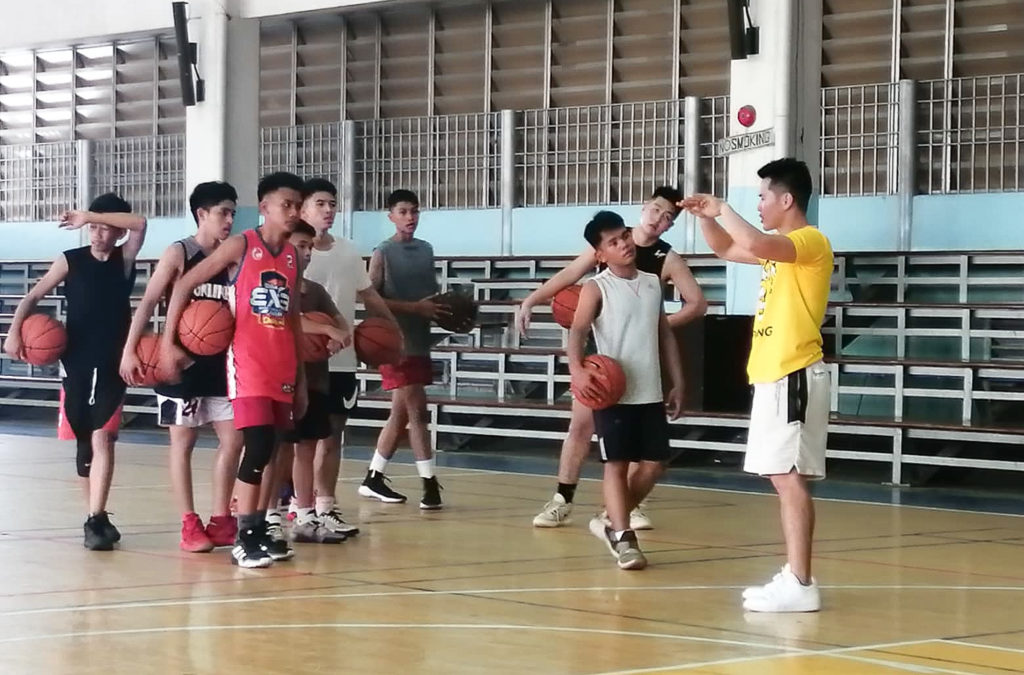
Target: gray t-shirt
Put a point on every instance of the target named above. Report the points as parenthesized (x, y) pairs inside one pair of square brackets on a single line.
[(409, 276)]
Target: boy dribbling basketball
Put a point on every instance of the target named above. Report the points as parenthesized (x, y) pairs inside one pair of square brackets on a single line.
[(98, 281), (265, 378), (200, 397), (624, 307)]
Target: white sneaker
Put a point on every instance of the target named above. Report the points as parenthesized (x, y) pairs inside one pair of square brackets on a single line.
[(333, 521), (626, 550), (638, 520), (556, 513), (275, 525), (784, 593)]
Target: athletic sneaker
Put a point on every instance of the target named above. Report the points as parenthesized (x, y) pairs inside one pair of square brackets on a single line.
[(249, 551), (96, 536), (625, 550), (556, 513), (638, 520), (784, 593), (275, 542), (222, 530), (431, 494), (109, 531), (333, 521), (193, 535), (312, 531), (375, 486)]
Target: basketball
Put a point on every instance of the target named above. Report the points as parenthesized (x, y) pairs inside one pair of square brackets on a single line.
[(148, 351), (378, 342), (206, 327), (610, 379), (313, 347), (44, 339), (563, 305), (463, 308)]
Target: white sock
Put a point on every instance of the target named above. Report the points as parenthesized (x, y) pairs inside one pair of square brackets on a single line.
[(378, 463), (618, 535), (324, 504), (274, 516), (425, 467), (303, 515)]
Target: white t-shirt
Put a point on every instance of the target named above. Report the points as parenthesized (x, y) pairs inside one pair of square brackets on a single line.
[(341, 271)]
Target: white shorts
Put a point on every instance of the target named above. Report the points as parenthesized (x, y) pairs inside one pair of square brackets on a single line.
[(193, 412), (789, 424)]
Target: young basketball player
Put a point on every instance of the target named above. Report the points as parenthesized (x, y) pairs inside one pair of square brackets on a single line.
[(402, 270), (201, 396), (98, 281), (789, 416), (337, 266), (654, 256), (624, 307), (265, 378)]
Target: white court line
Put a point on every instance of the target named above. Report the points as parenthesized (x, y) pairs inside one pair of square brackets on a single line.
[(198, 602), (977, 644)]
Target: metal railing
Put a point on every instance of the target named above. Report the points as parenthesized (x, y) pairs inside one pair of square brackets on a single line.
[(859, 139), (38, 181), (309, 150), (147, 171)]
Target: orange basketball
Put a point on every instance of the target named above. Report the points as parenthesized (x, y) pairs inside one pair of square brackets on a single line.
[(44, 339), (464, 311), (148, 351), (378, 342), (206, 327), (611, 380), (563, 305), (313, 347)]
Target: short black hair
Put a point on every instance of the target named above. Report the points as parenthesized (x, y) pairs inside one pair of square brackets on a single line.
[(110, 203), (603, 221), (280, 180), (792, 176), (669, 193), (302, 227), (314, 185), (209, 194), (399, 196)]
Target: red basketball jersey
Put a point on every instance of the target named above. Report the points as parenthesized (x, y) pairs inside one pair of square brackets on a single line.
[(261, 360)]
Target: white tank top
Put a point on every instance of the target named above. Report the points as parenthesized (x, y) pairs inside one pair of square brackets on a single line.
[(626, 329)]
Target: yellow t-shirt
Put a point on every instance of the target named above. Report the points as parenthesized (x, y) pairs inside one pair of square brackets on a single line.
[(791, 308)]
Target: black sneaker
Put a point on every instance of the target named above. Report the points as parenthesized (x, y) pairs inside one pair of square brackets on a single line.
[(248, 551), (108, 527), (275, 543), (375, 486), (431, 494), (96, 538)]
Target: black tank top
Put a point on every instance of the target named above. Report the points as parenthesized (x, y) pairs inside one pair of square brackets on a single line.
[(207, 376), (650, 259), (99, 309)]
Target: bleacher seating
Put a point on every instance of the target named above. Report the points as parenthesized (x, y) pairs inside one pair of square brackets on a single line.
[(926, 351)]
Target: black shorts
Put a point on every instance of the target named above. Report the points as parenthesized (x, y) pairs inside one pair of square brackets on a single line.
[(91, 399), (315, 425), (633, 433), (342, 394)]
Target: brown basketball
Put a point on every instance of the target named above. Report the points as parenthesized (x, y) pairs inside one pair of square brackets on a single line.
[(464, 310), (313, 347), (378, 342), (206, 327), (563, 305), (44, 339), (611, 380), (148, 351)]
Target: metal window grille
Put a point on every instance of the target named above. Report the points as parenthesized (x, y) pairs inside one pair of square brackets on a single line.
[(147, 171), (37, 181)]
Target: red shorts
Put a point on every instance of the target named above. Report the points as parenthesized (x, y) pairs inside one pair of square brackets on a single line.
[(260, 411), (410, 370), (64, 432)]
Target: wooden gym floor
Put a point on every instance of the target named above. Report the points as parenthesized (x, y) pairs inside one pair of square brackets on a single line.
[(476, 589)]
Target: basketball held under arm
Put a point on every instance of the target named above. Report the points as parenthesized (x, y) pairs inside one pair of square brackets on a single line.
[(586, 311), (54, 276), (567, 276), (168, 268)]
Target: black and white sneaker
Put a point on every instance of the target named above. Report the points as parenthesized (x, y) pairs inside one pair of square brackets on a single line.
[(312, 531), (333, 521), (249, 552), (96, 535), (375, 486), (275, 543), (431, 494)]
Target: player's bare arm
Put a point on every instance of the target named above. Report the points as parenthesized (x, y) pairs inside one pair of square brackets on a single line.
[(567, 276), (674, 364), (694, 304), (167, 271), (586, 311), (54, 277)]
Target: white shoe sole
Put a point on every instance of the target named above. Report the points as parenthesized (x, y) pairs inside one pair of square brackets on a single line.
[(365, 491), (431, 507), (540, 521), (758, 604)]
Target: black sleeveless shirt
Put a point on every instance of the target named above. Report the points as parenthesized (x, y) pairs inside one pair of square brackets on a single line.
[(650, 259), (99, 310), (207, 376)]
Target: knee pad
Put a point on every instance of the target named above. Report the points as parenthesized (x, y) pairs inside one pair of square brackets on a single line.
[(83, 456), (259, 448)]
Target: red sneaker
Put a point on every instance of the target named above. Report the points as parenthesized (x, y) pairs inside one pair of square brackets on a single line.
[(222, 530), (193, 536)]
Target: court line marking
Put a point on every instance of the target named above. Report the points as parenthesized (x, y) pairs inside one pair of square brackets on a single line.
[(964, 643), (195, 602)]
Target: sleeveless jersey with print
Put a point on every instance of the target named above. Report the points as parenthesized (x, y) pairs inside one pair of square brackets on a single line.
[(261, 361), (207, 375)]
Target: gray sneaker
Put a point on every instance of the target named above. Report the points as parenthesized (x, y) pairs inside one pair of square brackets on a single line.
[(625, 550), (313, 532)]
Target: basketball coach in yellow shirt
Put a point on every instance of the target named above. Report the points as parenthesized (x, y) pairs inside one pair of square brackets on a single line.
[(789, 416)]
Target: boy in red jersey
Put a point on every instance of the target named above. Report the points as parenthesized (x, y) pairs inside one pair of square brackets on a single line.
[(265, 378)]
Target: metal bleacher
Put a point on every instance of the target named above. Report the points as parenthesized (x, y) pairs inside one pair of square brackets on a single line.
[(926, 352)]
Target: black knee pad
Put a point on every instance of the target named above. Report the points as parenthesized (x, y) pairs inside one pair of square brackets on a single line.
[(259, 448), (83, 457)]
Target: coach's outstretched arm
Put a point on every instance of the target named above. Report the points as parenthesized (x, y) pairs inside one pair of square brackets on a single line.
[(734, 238)]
